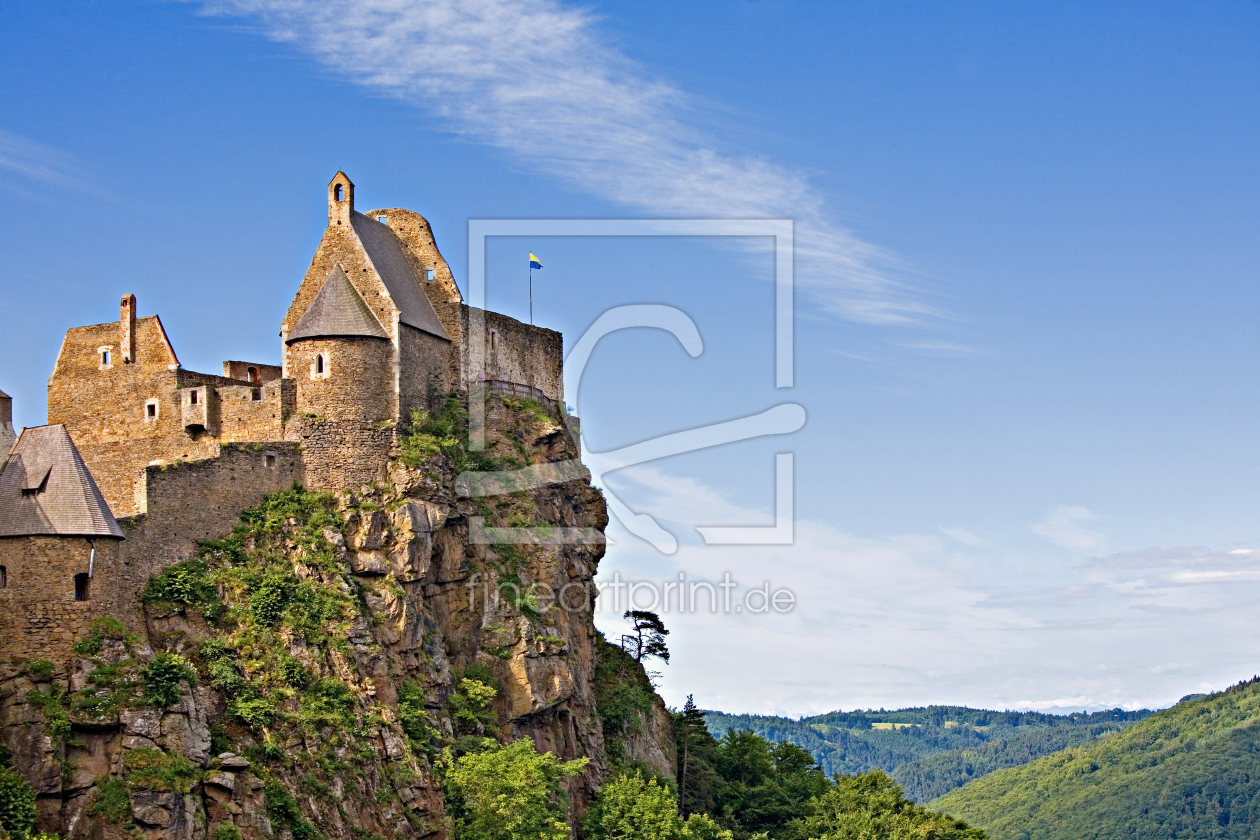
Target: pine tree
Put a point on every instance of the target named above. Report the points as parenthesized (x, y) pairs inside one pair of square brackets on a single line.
[(647, 636)]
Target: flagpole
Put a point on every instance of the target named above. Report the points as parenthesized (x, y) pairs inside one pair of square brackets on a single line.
[(531, 292)]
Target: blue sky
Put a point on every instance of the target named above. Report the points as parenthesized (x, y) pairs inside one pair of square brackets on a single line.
[(1026, 289)]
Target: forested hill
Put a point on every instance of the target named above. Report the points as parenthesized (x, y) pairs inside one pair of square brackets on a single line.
[(932, 749), (1189, 771)]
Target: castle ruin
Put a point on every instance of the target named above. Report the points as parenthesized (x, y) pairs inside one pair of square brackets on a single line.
[(142, 458)]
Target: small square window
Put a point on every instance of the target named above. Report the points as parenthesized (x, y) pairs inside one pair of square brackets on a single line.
[(255, 394), (382, 220), (150, 411), (270, 459)]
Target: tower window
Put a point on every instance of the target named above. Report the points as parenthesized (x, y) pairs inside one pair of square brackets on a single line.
[(105, 357), (192, 397), (150, 411), (269, 459), (4, 578), (339, 193), (382, 220), (255, 394), (251, 375), (428, 275), (81, 586), (319, 365)]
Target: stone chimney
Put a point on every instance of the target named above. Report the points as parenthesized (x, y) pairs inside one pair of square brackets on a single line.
[(127, 329), (7, 438), (340, 200)]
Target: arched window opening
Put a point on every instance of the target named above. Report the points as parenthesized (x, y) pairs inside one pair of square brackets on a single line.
[(4, 578), (81, 586), (319, 363), (251, 375), (339, 193)]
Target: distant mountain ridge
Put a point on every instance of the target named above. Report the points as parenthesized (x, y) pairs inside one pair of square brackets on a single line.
[(1191, 771), (929, 750)]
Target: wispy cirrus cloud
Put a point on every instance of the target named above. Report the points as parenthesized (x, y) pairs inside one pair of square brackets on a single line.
[(36, 162), (538, 80)]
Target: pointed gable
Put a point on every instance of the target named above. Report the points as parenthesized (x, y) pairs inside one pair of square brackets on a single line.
[(46, 489), (337, 310), (395, 271)]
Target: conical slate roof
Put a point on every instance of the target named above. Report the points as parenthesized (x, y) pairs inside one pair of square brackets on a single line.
[(337, 310), (46, 489)]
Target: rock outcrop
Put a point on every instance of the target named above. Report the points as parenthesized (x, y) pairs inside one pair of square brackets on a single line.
[(298, 679)]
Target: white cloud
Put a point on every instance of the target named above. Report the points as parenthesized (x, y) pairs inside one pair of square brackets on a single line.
[(1061, 528), (36, 162), (963, 536), (539, 81), (913, 619)]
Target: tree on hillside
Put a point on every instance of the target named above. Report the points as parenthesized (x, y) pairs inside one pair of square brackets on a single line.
[(631, 807), (871, 807), (512, 793), (697, 754), (646, 637)]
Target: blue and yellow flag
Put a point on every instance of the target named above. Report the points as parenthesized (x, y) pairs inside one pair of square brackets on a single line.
[(533, 261)]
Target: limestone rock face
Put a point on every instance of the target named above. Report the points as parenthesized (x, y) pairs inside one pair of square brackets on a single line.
[(436, 598)]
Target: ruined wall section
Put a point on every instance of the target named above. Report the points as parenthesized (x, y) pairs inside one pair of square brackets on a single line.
[(240, 371), (39, 616), (416, 237), (187, 502), (513, 352), (106, 406)]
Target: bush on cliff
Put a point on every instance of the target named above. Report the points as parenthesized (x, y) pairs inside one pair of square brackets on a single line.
[(17, 805)]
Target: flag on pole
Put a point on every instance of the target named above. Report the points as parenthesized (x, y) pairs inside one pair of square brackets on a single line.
[(533, 261)]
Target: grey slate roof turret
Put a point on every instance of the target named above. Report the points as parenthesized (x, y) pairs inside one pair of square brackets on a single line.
[(337, 310), (46, 489)]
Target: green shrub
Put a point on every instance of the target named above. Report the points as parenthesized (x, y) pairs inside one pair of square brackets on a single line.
[(111, 800), (17, 805), (40, 669), (226, 831), (270, 597), (162, 677), (283, 811), (148, 768), (188, 584), (256, 712), (102, 628)]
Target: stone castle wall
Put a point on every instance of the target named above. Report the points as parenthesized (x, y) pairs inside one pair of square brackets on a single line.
[(186, 502), (513, 352), (39, 616), (424, 369)]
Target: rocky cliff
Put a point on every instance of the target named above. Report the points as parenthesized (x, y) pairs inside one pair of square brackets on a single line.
[(301, 676)]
